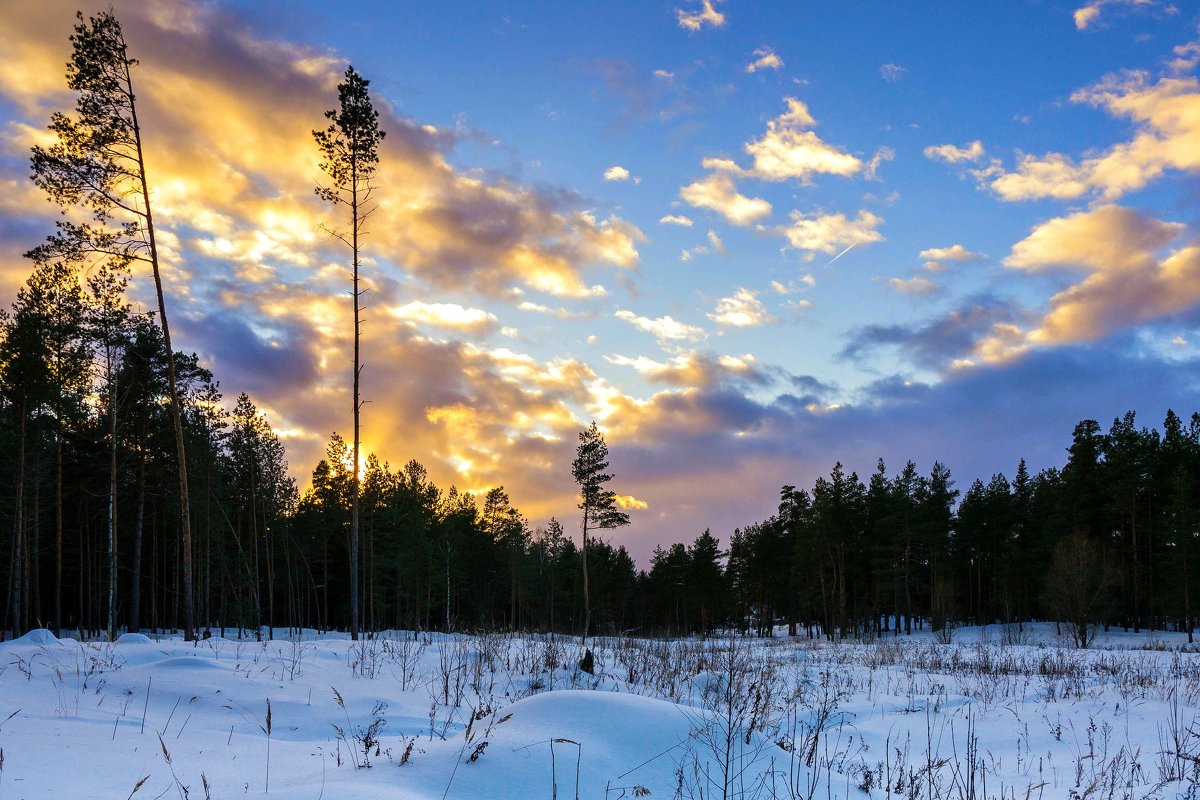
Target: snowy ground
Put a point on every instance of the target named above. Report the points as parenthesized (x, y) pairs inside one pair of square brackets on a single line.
[(994, 714)]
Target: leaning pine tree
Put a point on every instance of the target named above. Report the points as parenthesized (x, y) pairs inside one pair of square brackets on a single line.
[(349, 155), (97, 165), (597, 502)]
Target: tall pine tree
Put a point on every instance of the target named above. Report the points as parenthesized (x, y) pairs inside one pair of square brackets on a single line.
[(349, 156), (597, 502), (97, 164)]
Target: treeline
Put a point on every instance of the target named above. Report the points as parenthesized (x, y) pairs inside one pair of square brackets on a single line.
[(90, 522), (1110, 539)]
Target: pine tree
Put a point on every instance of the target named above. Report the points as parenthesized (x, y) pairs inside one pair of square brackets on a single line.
[(349, 156), (98, 165), (597, 502)]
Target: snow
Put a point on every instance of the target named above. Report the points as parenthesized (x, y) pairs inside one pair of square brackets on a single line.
[(994, 713)]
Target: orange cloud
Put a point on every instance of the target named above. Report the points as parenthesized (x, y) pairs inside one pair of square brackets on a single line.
[(1166, 116), (1128, 280)]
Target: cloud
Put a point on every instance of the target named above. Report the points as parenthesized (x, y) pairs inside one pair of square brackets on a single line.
[(790, 287), (1088, 16), (955, 252), (766, 59), (447, 315), (831, 233), (742, 309), (871, 172), (234, 166), (1129, 277), (892, 72), (538, 308), (630, 503), (1187, 57), (675, 219), (717, 192), (788, 151), (616, 173), (938, 343), (935, 256), (1166, 117), (694, 369), (663, 328), (954, 154), (715, 245), (695, 20), (916, 286)]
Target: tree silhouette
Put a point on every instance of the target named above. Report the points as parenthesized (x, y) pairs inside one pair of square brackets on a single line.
[(349, 156), (597, 502), (98, 165)]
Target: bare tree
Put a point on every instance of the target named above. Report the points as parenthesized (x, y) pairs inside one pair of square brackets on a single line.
[(1078, 586)]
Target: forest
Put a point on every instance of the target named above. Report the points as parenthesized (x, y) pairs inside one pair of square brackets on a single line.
[(133, 497)]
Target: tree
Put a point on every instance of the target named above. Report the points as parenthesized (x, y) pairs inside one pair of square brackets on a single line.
[(109, 319), (349, 155), (597, 502), (1078, 585), (98, 165)]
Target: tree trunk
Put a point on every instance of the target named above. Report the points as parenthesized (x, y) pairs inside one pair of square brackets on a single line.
[(354, 500), (15, 574), (135, 584), (587, 605), (185, 524), (112, 520)]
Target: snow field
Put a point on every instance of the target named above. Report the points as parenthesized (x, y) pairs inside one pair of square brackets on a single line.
[(404, 715)]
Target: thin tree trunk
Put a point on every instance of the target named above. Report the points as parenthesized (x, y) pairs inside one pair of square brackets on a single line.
[(354, 500), (135, 585), (58, 531), (112, 520), (18, 527), (185, 524), (587, 605)]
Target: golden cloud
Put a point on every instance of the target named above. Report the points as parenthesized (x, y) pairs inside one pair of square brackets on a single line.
[(1166, 114), (742, 309), (831, 233), (788, 151), (446, 315), (631, 503), (1127, 283), (766, 58), (695, 20), (717, 192), (664, 328)]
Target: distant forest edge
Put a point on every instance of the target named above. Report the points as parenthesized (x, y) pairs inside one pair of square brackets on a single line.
[(1113, 537)]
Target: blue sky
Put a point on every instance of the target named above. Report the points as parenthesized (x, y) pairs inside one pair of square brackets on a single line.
[(750, 239)]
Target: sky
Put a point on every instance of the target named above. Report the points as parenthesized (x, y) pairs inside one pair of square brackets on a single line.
[(749, 240)]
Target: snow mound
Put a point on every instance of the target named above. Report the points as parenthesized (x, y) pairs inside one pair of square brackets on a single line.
[(37, 636), (134, 638), (614, 741)]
